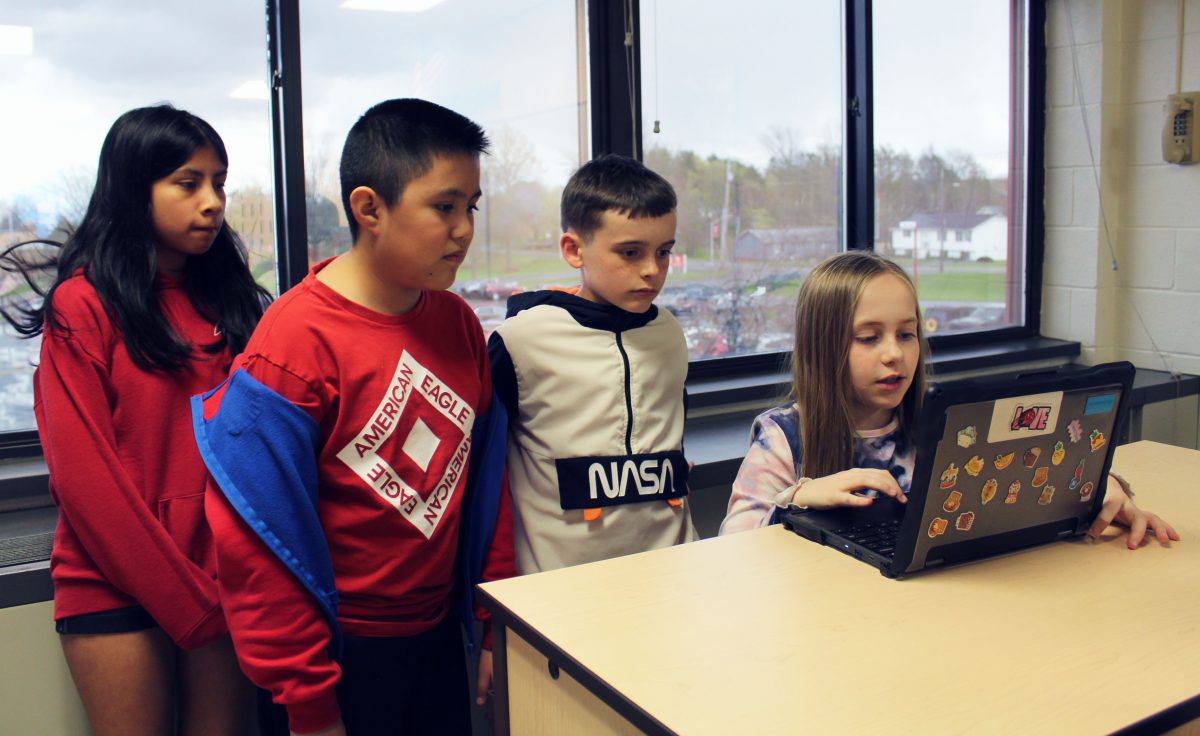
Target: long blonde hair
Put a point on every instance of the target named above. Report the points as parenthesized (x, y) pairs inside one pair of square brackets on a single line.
[(821, 384)]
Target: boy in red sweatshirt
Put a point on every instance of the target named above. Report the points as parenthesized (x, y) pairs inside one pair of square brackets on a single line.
[(349, 448)]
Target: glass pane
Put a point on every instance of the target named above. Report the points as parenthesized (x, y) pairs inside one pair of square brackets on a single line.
[(68, 69), (944, 147), (747, 126), (512, 67)]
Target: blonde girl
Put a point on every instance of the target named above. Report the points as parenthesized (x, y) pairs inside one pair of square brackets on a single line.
[(858, 375)]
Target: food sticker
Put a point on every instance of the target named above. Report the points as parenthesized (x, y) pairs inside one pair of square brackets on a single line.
[(1059, 453), (967, 436), (1031, 456), (1003, 461), (1047, 496), (1096, 439), (1078, 477), (953, 501), (989, 490), (1040, 475), (937, 527), (964, 521), (1085, 493), (974, 466), (1013, 489), (1075, 430), (949, 477)]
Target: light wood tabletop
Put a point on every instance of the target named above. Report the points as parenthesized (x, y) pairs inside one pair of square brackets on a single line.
[(765, 632)]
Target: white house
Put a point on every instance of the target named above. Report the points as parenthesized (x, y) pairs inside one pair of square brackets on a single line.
[(974, 236)]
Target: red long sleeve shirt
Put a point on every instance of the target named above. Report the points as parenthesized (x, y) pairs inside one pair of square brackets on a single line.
[(395, 397), (124, 469)]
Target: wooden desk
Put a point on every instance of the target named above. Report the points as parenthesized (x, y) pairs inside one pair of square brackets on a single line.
[(766, 633)]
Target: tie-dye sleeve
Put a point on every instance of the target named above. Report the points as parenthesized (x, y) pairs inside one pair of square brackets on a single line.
[(767, 473)]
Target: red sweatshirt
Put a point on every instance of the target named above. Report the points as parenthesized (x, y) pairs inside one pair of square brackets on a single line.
[(395, 397), (124, 469)]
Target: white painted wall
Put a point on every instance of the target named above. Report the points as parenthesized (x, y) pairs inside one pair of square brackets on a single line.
[(1109, 195)]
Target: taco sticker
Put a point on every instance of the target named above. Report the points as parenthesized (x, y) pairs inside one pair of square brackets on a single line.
[(1003, 461)]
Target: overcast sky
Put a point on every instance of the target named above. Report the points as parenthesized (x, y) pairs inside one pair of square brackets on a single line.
[(719, 76)]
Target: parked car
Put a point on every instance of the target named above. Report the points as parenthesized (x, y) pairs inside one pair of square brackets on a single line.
[(982, 316), (497, 289)]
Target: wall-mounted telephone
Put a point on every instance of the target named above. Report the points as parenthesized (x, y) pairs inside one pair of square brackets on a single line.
[(1180, 138)]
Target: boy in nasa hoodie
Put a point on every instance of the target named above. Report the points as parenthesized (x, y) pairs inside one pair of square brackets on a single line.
[(593, 382)]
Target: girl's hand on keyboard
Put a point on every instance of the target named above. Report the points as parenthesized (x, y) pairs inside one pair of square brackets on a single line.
[(845, 489)]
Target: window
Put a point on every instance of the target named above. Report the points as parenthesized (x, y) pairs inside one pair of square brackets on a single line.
[(752, 144), (517, 68), (742, 106), (64, 82), (947, 157)]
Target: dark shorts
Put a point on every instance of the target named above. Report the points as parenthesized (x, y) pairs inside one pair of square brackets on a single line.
[(118, 621), (411, 685)]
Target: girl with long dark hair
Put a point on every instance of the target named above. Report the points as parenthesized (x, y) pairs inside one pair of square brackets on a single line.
[(148, 301)]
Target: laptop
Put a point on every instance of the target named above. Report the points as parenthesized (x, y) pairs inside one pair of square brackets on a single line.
[(1001, 464)]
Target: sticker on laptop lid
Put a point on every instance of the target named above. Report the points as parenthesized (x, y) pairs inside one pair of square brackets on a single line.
[(1013, 489), (1101, 404), (967, 436), (965, 521), (937, 527), (949, 477), (1040, 475), (1077, 477), (989, 491), (1059, 453), (1047, 496), (974, 466), (1031, 456), (1003, 461), (1024, 416), (1075, 430), (1096, 439), (1085, 493), (953, 501)]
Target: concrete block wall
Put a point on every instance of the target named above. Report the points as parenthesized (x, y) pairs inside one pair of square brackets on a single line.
[(1110, 196)]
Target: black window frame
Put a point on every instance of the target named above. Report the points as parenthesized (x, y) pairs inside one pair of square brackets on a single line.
[(614, 69)]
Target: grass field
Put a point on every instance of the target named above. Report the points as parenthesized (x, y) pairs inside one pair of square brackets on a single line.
[(966, 286)]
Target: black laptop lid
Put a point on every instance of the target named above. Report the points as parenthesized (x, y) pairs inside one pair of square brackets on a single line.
[(1010, 462)]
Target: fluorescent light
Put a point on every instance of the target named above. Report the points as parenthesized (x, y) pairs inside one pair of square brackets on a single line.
[(390, 6), (251, 89), (16, 40)]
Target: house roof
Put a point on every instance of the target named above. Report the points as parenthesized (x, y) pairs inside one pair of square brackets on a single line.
[(948, 220), (789, 234)]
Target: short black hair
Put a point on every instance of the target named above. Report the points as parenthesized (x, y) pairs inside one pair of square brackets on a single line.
[(395, 141), (613, 182)]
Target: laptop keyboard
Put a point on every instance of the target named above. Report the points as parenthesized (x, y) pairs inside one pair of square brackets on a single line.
[(877, 536)]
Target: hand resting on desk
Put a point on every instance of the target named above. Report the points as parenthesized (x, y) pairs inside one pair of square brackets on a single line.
[(1119, 508)]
